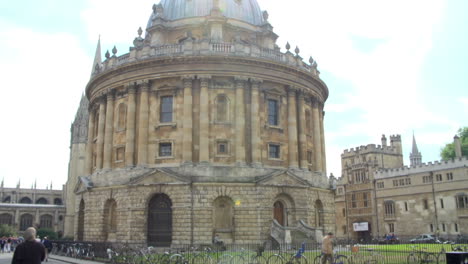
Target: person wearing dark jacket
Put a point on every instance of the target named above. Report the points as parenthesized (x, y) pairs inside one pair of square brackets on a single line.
[(30, 251)]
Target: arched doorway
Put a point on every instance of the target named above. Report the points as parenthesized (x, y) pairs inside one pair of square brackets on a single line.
[(278, 212), (80, 233), (160, 221), (319, 217)]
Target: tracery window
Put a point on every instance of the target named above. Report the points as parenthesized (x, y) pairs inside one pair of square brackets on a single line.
[(41, 201), (26, 221), (222, 108), (25, 200), (389, 208), (46, 221)]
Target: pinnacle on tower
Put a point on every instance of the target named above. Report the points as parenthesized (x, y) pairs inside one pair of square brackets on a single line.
[(415, 155), (97, 59)]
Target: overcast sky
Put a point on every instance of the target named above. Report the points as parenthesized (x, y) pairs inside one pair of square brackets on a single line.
[(392, 67)]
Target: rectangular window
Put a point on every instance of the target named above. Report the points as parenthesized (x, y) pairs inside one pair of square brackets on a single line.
[(395, 183), (344, 212), (406, 206), (442, 203), (431, 227), (438, 177), (427, 179), (344, 230), (391, 227), (456, 227), (309, 157), (272, 112), (166, 109), (353, 200), (425, 204), (408, 181), (443, 227), (222, 148), (449, 176), (389, 209), (462, 201), (120, 154), (274, 151), (402, 182), (380, 185), (165, 149)]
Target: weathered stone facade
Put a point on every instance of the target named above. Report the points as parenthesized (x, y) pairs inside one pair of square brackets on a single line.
[(391, 198), (204, 127), (22, 208)]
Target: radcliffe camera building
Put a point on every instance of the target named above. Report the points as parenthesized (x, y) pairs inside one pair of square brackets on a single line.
[(205, 127), (377, 195)]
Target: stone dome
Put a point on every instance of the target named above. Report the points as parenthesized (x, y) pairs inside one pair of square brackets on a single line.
[(245, 10)]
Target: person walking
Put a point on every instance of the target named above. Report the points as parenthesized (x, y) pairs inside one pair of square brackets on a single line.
[(48, 245), (30, 251), (327, 249)]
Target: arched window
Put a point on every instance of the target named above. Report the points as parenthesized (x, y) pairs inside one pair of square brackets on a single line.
[(122, 116), (26, 221), (46, 221), (58, 201), (25, 200), (319, 214), (110, 217), (278, 212), (42, 200), (7, 199), (222, 108), (308, 118), (223, 214), (6, 219), (160, 220)]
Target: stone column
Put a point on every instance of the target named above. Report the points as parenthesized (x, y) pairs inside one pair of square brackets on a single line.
[(322, 137), (143, 123), (100, 135), (187, 123), (317, 135), (109, 131), (255, 125), (240, 120), (292, 128), (204, 119), (302, 132), (130, 129), (89, 145)]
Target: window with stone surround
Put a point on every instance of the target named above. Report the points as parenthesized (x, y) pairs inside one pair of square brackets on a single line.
[(222, 108), (391, 227), (46, 221), (389, 208), (449, 176), (274, 151), (462, 201), (223, 214), (273, 112), (406, 206), (425, 204), (353, 200), (380, 185), (456, 227), (427, 179), (25, 200), (6, 219), (42, 200), (26, 221), (166, 114), (365, 201), (222, 147), (165, 149), (441, 203), (438, 177)]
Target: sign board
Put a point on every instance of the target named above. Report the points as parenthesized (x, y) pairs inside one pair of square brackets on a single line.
[(363, 226)]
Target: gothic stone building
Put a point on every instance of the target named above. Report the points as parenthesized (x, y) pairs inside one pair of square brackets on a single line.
[(22, 208), (205, 127), (405, 200)]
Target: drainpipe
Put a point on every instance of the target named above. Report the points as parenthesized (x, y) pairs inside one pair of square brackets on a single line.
[(435, 204), (374, 182)]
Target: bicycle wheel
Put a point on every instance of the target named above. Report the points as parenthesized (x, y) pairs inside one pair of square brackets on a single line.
[(318, 259), (412, 259), (300, 260), (441, 258), (238, 260), (176, 259), (198, 259), (225, 259), (276, 259), (258, 260), (340, 259)]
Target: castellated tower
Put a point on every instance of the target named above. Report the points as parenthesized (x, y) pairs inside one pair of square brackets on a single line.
[(205, 127)]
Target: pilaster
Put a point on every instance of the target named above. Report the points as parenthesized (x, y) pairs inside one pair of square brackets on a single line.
[(187, 123), (302, 131), (204, 119), (255, 119), (292, 128), (109, 131), (143, 123), (240, 119), (100, 135), (130, 131), (318, 166)]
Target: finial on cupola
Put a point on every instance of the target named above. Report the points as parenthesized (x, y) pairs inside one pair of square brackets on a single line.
[(288, 47), (114, 51), (297, 51)]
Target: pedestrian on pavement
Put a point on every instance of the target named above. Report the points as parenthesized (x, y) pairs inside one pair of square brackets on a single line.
[(327, 249), (8, 245), (48, 245), (30, 251)]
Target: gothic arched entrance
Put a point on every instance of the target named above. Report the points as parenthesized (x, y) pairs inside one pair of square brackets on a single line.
[(160, 221), (278, 212)]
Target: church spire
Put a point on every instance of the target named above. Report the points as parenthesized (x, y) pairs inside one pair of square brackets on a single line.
[(415, 155), (97, 59)]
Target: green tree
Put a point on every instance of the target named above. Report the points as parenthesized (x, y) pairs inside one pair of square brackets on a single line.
[(42, 232), (7, 231), (448, 152)]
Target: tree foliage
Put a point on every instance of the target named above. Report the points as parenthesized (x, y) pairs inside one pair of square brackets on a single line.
[(448, 152), (7, 231), (42, 232)]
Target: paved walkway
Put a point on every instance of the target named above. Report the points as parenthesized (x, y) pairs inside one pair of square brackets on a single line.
[(72, 260)]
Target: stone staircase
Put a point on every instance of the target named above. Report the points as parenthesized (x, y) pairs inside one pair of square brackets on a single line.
[(285, 236)]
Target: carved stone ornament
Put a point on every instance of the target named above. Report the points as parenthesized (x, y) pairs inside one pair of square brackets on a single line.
[(265, 15), (297, 50), (114, 51), (107, 54), (288, 47)]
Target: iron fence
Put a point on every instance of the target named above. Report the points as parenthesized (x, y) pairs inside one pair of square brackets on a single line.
[(344, 252)]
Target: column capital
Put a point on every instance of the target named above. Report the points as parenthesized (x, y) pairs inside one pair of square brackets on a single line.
[(130, 87), (144, 85), (110, 94), (292, 90), (256, 81), (204, 79), (187, 77)]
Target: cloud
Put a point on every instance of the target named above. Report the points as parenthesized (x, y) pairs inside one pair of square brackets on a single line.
[(42, 74)]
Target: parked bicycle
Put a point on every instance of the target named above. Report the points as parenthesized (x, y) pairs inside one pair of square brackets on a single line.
[(421, 256), (289, 258)]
